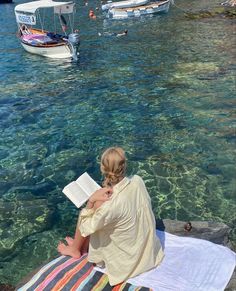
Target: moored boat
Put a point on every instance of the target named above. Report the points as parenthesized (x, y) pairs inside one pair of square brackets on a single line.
[(40, 41), (149, 8), (124, 4)]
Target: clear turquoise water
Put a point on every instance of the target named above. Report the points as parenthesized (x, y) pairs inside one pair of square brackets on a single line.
[(165, 93)]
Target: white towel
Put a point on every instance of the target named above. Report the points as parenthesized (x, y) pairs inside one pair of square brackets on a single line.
[(189, 264)]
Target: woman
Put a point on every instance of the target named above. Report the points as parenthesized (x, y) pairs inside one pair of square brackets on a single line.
[(118, 223)]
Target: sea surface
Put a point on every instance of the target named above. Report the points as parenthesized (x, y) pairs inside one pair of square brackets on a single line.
[(165, 93)]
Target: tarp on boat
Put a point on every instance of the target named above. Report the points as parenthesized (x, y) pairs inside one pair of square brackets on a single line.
[(59, 7)]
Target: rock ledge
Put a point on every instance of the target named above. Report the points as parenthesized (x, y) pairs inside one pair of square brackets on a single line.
[(212, 231)]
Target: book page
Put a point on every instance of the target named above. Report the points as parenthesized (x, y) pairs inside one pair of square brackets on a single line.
[(75, 193), (87, 184)]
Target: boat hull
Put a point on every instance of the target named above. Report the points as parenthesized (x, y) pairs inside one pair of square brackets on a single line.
[(151, 8), (56, 52), (124, 4)]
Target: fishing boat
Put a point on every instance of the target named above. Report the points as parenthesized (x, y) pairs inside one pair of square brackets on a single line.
[(136, 11), (33, 18)]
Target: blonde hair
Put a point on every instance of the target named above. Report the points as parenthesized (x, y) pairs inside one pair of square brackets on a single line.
[(113, 166)]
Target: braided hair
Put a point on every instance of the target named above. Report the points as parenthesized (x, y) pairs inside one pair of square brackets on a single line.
[(113, 166)]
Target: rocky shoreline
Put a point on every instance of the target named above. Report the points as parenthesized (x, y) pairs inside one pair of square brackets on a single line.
[(225, 9), (215, 232), (229, 3)]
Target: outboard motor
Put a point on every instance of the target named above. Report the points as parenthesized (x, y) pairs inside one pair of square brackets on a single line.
[(74, 41)]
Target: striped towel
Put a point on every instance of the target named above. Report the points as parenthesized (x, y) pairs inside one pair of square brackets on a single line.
[(69, 274)]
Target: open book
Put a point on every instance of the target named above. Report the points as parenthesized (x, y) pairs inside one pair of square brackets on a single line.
[(80, 190)]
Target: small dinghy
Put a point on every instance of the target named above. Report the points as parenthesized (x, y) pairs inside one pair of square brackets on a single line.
[(149, 8), (124, 4), (57, 44)]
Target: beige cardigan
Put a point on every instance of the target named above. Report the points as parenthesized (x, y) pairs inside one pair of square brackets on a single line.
[(122, 232)]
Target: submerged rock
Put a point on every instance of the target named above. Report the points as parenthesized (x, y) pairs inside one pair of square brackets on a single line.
[(35, 250), (217, 11), (20, 219), (6, 287)]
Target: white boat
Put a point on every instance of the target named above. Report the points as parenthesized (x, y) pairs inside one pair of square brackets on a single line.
[(124, 4), (52, 44), (150, 8)]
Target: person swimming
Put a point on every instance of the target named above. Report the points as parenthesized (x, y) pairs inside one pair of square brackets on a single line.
[(92, 15), (125, 32)]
